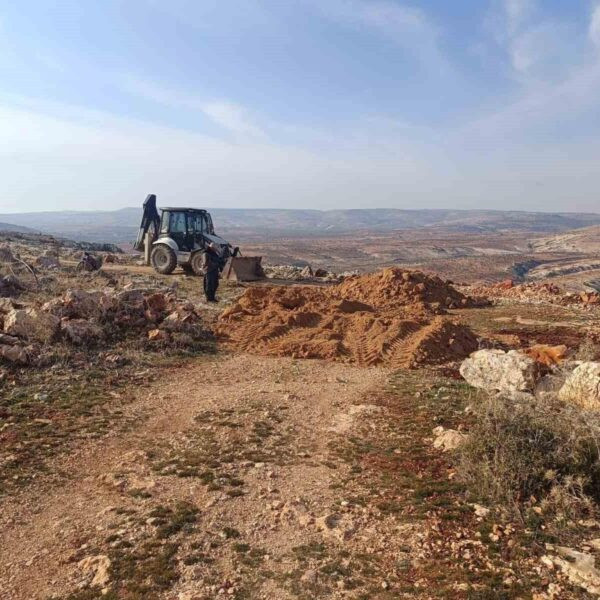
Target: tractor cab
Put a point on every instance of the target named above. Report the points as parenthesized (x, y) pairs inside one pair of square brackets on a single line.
[(188, 227)]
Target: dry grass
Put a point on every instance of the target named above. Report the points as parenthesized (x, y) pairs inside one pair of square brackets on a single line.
[(540, 452)]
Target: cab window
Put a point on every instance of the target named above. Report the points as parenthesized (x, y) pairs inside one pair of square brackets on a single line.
[(198, 223), (177, 222), (164, 222), (209, 225)]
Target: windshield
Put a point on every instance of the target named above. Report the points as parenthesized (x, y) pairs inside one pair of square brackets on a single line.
[(177, 222)]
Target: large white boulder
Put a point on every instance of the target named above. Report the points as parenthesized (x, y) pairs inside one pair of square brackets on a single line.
[(582, 386), (579, 567), (496, 370)]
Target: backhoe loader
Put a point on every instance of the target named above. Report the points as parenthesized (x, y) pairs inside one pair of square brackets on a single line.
[(178, 237)]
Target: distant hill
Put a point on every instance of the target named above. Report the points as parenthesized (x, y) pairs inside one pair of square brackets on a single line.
[(585, 240), (47, 240), (18, 228), (120, 226)]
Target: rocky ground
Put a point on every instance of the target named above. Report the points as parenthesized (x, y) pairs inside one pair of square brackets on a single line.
[(161, 465)]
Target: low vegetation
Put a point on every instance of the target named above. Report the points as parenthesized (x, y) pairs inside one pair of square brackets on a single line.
[(539, 459)]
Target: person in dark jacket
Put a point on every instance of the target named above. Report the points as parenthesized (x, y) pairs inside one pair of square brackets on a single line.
[(210, 264)]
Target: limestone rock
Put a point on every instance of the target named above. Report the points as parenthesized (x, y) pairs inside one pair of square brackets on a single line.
[(31, 323), (310, 576), (307, 272), (7, 304), (8, 340), (76, 303), (14, 354), (500, 371), (595, 543), (158, 335), (82, 304), (10, 286), (516, 396), (549, 385), (133, 298), (289, 272), (48, 260), (480, 511), (97, 567), (6, 254), (579, 567), (582, 386), (81, 331), (447, 439)]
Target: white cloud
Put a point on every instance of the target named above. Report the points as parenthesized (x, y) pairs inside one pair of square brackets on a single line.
[(542, 107), (527, 50), (594, 30), (85, 159), (161, 94), (537, 46), (230, 116), (544, 51), (407, 26), (517, 13), (506, 18)]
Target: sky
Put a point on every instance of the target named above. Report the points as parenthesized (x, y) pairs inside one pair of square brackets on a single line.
[(300, 104)]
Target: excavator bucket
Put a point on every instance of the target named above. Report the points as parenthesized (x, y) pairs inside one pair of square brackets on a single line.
[(243, 268)]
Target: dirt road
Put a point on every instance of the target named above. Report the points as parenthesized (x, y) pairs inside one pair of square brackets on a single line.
[(226, 478)]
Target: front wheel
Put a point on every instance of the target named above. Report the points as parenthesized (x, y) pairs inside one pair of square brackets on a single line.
[(196, 264), (163, 259)]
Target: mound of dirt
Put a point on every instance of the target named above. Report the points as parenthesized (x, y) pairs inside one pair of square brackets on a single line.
[(392, 317), (393, 287)]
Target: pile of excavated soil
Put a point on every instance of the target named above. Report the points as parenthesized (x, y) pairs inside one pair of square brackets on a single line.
[(391, 288), (393, 317)]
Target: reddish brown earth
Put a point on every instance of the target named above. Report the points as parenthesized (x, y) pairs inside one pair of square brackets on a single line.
[(393, 317)]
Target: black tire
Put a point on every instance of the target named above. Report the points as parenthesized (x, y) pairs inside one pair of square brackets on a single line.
[(163, 259), (196, 264)]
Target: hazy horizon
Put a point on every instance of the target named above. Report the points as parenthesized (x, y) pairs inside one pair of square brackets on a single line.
[(335, 104), (259, 208)]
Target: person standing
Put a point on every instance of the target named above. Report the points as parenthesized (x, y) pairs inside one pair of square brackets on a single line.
[(210, 265)]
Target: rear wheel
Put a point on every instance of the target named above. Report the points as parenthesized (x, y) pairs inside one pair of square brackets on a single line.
[(163, 259), (196, 264)]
